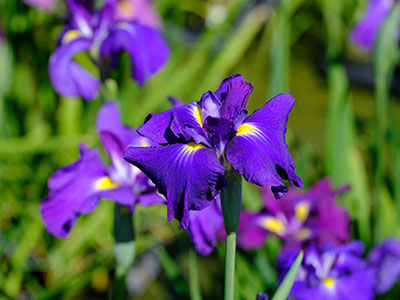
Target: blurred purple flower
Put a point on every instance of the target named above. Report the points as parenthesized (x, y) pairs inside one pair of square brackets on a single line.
[(205, 227), (131, 26), (330, 273), (46, 5), (386, 259), (366, 30), (297, 219), (198, 140), (140, 11), (77, 188)]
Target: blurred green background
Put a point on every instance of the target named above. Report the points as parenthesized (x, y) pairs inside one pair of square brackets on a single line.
[(342, 126)]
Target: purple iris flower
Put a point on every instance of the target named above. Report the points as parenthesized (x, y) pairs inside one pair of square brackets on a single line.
[(120, 25), (365, 32), (297, 219), (76, 189), (198, 141), (386, 259), (331, 273)]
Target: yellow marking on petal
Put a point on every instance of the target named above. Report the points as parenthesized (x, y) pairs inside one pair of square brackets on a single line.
[(192, 147), (105, 183), (303, 234), (302, 210), (197, 114), (274, 225), (126, 9), (71, 35), (143, 143), (329, 283), (247, 129)]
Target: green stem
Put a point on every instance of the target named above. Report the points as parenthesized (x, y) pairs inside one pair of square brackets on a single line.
[(230, 266), (194, 283), (231, 204), (124, 249)]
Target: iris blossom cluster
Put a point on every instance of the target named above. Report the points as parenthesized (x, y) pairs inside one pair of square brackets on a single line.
[(333, 273), (366, 30), (197, 142), (330, 273), (76, 189), (120, 25), (297, 219)]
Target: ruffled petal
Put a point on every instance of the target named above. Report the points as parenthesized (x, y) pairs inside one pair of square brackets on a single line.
[(233, 94), (173, 125), (365, 32), (146, 46), (76, 189), (189, 176), (259, 151), (204, 226), (68, 78), (209, 105), (156, 127)]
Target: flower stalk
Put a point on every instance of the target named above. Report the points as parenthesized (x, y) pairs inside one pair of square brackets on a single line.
[(124, 249), (231, 203)]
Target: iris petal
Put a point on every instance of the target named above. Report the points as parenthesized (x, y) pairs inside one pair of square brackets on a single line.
[(76, 189), (178, 123), (189, 176), (259, 151), (68, 77), (204, 227), (146, 46), (233, 94), (365, 32), (108, 119)]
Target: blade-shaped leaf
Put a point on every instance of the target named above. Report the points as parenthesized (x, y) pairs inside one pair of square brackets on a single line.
[(287, 283)]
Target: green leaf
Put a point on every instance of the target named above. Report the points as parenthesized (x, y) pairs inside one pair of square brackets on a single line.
[(194, 281), (6, 67), (343, 158), (287, 283), (280, 53), (385, 216), (386, 56), (172, 271)]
